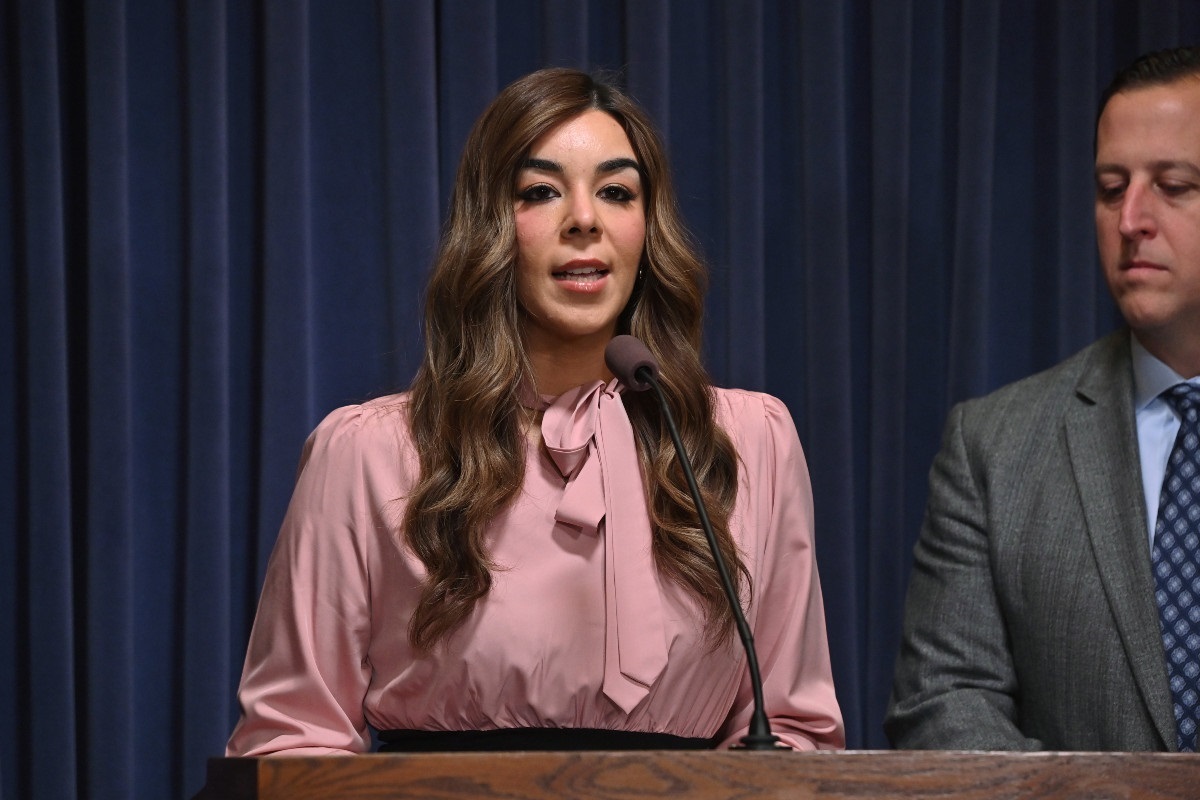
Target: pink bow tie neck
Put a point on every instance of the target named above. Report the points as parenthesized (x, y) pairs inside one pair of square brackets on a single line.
[(590, 439)]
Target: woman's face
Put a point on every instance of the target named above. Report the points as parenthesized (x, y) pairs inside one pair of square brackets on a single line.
[(581, 225)]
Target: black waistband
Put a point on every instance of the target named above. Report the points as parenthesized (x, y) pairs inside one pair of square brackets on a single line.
[(407, 741)]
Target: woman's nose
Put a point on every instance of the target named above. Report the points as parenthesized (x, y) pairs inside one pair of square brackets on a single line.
[(581, 214)]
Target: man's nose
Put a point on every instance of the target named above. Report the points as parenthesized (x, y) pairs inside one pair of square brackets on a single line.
[(1137, 217)]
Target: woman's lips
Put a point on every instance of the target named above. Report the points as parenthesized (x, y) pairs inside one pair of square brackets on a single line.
[(581, 272), (589, 274)]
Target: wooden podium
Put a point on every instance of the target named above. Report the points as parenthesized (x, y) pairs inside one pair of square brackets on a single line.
[(706, 775)]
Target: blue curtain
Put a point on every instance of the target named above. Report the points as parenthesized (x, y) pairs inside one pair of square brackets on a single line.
[(216, 223)]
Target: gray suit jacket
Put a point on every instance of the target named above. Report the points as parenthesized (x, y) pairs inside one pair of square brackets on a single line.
[(1031, 621)]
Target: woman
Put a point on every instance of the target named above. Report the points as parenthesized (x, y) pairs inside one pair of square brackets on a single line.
[(509, 547)]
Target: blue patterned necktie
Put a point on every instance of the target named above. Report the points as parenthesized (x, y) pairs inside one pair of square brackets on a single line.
[(1175, 558)]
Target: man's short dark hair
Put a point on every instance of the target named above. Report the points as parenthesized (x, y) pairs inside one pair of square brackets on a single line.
[(1153, 69)]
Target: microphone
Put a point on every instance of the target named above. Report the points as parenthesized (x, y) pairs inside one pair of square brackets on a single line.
[(633, 363)]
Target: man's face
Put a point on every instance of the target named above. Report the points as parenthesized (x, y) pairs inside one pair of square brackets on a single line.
[(1148, 211)]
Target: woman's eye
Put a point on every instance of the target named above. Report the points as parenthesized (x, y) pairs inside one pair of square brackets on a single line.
[(617, 194), (1109, 193), (537, 192)]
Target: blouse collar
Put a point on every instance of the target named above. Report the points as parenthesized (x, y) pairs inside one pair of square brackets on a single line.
[(590, 439)]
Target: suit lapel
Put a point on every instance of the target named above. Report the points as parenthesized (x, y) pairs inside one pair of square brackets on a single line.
[(1102, 442)]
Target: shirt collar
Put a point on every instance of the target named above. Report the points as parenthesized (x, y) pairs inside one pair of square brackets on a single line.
[(1151, 377)]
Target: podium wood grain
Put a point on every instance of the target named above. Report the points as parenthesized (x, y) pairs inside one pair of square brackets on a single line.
[(706, 775)]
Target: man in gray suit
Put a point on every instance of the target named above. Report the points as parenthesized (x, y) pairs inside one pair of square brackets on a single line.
[(1033, 613)]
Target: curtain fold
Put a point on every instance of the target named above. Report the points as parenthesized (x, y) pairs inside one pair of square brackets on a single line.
[(103, 458), (1072, 108), (413, 199), (285, 387), (217, 223), (204, 659), (889, 377), (646, 31), (829, 425), (42, 659), (467, 74), (974, 168), (740, 263)]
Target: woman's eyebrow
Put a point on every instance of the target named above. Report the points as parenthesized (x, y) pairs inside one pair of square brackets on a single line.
[(603, 168), (616, 165), (542, 164)]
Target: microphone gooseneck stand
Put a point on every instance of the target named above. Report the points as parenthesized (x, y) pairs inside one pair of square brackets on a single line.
[(633, 363)]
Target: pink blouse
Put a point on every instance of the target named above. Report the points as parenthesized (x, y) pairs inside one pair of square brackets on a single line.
[(578, 630)]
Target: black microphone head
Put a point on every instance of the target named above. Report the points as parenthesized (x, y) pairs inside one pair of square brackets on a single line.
[(625, 355)]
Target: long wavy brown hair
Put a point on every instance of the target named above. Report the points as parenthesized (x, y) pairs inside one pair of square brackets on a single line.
[(467, 421)]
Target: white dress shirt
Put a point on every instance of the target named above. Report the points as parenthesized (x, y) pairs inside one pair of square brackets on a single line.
[(1157, 424)]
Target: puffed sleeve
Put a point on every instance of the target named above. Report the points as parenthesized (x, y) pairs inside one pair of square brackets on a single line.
[(788, 615), (955, 683), (306, 670)]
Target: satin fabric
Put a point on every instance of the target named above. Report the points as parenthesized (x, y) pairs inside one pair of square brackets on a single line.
[(590, 440), (329, 651)]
